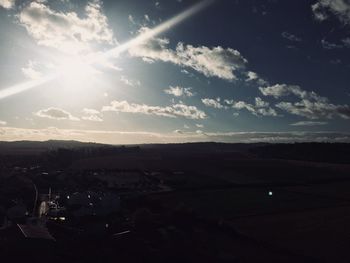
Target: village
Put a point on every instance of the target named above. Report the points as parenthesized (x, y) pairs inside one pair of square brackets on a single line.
[(95, 195), (42, 208)]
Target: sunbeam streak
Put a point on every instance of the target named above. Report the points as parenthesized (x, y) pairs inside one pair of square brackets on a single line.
[(25, 86), (156, 31), (115, 52)]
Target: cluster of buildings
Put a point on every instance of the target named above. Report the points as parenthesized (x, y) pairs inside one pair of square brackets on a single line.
[(87, 201), (79, 204), (88, 212)]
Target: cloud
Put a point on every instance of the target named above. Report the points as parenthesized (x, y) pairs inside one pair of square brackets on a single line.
[(215, 103), (318, 12), (132, 83), (66, 31), (329, 45), (266, 112), (91, 111), (178, 91), (138, 137), (311, 105), (31, 72), (3, 122), (240, 105), (315, 109), (148, 60), (309, 123), (111, 137), (131, 19), (278, 137), (261, 108), (260, 103), (95, 118), (280, 90), (252, 76), (179, 131), (291, 37), (215, 61), (56, 114), (147, 18), (346, 42), (92, 115), (199, 125), (7, 4), (172, 111), (283, 90), (339, 8)]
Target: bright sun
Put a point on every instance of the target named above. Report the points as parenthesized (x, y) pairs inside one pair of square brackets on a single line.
[(75, 71)]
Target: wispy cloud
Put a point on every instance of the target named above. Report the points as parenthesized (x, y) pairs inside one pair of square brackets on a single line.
[(178, 91), (339, 8), (329, 45), (216, 61), (311, 105), (346, 42), (92, 115), (315, 109), (130, 82), (251, 76), (214, 103), (172, 111), (49, 27), (7, 4), (131, 19), (261, 108), (55, 114), (31, 72), (291, 37), (138, 137), (254, 77), (309, 123), (282, 90)]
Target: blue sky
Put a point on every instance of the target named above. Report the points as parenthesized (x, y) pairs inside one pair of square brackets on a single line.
[(175, 71)]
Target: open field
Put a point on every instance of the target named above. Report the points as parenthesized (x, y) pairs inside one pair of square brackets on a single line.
[(217, 203)]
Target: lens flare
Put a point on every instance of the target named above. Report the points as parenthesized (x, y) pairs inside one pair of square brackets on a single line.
[(70, 69)]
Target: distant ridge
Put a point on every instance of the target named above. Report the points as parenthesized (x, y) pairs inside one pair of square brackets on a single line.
[(30, 147), (319, 152), (50, 144)]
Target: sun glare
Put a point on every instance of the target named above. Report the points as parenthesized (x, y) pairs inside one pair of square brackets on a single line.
[(74, 71)]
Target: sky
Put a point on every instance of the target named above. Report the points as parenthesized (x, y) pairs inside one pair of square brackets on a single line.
[(166, 71)]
